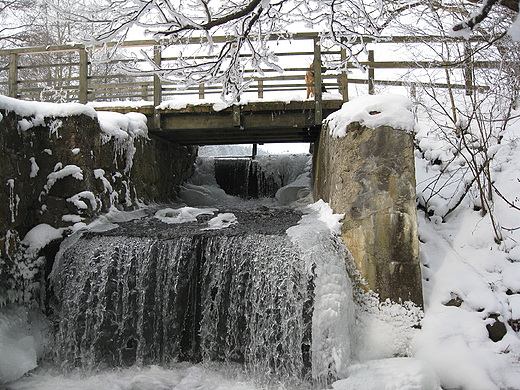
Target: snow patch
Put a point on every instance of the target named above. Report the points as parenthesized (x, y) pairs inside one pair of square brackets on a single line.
[(390, 374), (373, 111), (123, 129), (221, 221), (183, 214), (40, 236), (34, 168), (77, 200), (59, 173)]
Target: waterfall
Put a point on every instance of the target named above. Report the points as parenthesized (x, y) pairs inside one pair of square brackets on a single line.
[(244, 282), (124, 298), (261, 177)]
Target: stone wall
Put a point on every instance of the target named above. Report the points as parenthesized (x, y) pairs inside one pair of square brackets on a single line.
[(369, 175), (62, 171)]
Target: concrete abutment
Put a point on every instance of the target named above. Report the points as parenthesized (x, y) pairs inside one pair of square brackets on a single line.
[(369, 175)]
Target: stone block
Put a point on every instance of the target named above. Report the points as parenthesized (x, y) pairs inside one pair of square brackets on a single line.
[(369, 175)]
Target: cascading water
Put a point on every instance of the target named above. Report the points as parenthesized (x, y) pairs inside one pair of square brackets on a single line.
[(244, 281), (241, 295), (261, 177)]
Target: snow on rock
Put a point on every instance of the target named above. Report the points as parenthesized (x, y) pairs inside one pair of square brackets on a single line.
[(298, 189), (123, 129), (373, 111), (221, 221), (390, 374), (122, 126), (77, 200), (39, 236), (385, 329), (59, 173), (183, 214), (17, 346), (34, 168), (204, 195), (40, 110)]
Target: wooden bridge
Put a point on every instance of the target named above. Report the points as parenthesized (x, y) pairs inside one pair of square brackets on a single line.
[(72, 73)]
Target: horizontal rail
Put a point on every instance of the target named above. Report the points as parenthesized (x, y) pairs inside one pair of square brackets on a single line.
[(77, 76)]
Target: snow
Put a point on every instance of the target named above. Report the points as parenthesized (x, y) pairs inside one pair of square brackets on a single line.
[(122, 126), (40, 110), (218, 105), (373, 111), (514, 29), (123, 129), (59, 173), (77, 200), (17, 345), (221, 221), (34, 168), (296, 190), (390, 374), (183, 214), (39, 236)]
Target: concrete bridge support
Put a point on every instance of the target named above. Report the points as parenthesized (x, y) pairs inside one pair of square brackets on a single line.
[(370, 176)]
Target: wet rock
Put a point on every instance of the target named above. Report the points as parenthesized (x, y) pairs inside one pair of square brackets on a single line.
[(497, 330)]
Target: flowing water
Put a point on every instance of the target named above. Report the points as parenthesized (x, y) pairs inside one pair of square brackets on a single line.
[(265, 289)]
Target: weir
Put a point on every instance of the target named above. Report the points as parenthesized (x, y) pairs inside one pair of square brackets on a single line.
[(152, 293), (263, 290)]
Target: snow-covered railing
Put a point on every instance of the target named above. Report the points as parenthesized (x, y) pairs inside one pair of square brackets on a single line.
[(87, 74)]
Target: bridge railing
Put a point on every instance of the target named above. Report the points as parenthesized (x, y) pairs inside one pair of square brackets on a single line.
[(76, 73)]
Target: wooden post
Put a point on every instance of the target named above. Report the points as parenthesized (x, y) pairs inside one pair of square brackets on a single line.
[(254, 151), (260, 89), (157, 88), (237, 115), (201, 91), (371, 89), (468, 69), (83, 76), (13, 75), (318, 97), (344, 76)]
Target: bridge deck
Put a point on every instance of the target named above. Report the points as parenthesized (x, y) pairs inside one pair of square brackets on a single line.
[(255, 122)]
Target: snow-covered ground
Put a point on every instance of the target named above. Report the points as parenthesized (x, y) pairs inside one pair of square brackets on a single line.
[(471, 283)]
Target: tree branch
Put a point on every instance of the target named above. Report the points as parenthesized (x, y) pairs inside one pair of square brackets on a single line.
[(479, 17), (217, 22)]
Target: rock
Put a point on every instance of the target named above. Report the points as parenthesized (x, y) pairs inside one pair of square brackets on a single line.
[(497, 330), (68, 167)]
